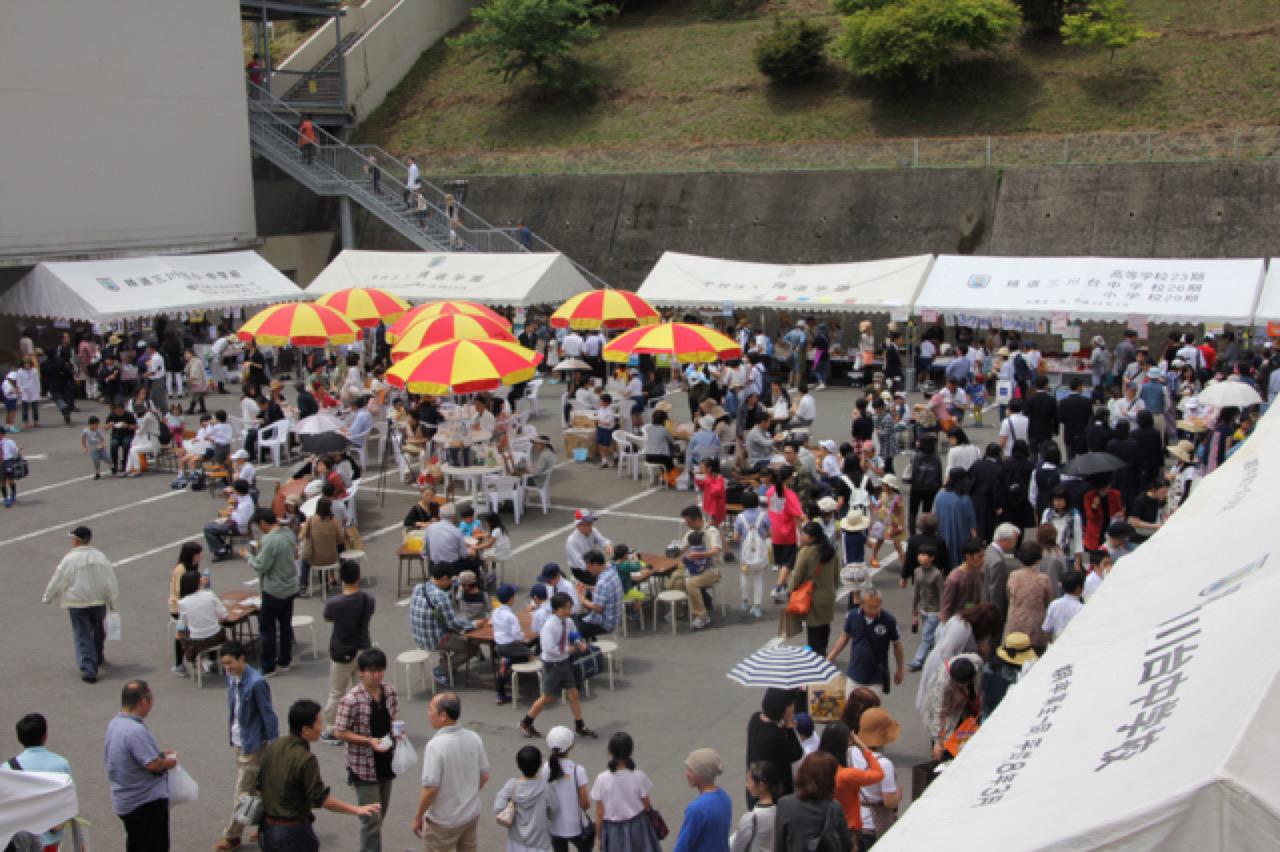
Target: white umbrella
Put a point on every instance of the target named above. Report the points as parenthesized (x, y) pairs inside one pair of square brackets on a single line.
[(784, 667), (1230, 393), (571, 364), (317, 424)]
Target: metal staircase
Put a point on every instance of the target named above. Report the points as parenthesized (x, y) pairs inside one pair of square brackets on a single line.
[(342, 170)]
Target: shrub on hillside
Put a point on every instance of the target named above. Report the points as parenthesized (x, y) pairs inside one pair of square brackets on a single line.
[(792, 51), (536, 36), (1108, 24), (917, 38)]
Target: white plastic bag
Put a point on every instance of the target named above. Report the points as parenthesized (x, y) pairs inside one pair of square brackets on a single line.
[(405, 757), (113, 627), (182, 787)]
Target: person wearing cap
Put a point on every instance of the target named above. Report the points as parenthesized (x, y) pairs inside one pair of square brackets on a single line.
[(1183, 473), (509, 646), (1012, 660), (553, 578), (879, 801), (472, 600), (541, 464), (582, 540), (84, 584), (827, 507), (568, 783), (539, 607), (708, 818)]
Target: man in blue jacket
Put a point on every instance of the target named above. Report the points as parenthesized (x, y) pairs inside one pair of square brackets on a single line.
[(252, 724)]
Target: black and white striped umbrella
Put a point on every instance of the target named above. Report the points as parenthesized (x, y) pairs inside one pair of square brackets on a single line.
[(784, 667)]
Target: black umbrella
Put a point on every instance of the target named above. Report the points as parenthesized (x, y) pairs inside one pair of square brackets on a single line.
[(325, 443), (1090, 463)]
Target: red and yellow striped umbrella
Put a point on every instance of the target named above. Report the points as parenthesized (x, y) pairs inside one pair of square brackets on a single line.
[(464, 366), (365, 306), (433, 330), (299, 323), (605, 309), (688, 344), (438, 309)]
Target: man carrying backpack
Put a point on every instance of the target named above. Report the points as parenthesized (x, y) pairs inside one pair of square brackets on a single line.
[(751, 532)]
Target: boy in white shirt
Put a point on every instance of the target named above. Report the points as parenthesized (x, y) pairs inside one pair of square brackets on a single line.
[(557, 639), (1065, 608), (606, 422), (509, 646)]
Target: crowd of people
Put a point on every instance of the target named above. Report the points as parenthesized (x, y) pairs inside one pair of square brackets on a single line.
[(1002, 545)]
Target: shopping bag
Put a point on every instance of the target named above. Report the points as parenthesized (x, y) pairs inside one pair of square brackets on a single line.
[(182, 787), (826, 700), (113, 627), (405, 757)]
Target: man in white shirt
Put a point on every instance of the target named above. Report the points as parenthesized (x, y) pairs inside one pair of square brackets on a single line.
[(1014, 427), (571, 345), (85, 585), (411, 182), (1065, 608), (217, 534), (455, 769), (584, 539), (556, 640), (155, 374)]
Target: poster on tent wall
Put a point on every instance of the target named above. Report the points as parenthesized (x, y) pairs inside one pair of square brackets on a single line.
[(123, 288), (1178, 290), (873, 285), (1150, 724)]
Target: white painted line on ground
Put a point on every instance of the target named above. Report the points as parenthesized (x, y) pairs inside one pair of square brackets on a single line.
[(54, 485), (153, 551), (529, 545), (93, 517), (38, 457)]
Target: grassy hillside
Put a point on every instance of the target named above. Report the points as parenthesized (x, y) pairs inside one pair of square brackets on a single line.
[(678, 91)]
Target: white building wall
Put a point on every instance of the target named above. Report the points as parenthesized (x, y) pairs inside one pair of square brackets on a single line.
[(123, 128)]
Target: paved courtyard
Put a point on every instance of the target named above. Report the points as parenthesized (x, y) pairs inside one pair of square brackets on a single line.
[(673, 696)]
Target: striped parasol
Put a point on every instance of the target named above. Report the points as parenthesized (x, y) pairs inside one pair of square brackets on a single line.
[(429, 331), (365, 306), (614, 309), (436, 309), (783, 667), (687, 343), (464, 366), (299, 323)]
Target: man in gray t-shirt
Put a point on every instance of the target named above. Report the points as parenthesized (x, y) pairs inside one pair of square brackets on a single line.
[(138, 771)]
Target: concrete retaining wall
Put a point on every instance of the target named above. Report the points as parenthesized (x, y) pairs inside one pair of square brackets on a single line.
[(618, 225)]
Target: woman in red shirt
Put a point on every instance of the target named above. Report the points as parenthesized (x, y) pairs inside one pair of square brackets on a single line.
[(784, 513), (712, 486), (1102, 505)]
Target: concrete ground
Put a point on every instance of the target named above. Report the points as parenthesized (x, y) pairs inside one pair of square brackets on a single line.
[(673, 697)]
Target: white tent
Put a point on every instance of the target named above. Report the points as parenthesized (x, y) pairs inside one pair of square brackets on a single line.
[(124, 288), (495, 279), (34, 801), (1152, 724), (874, 286), (1269, 300), (1105, 288)]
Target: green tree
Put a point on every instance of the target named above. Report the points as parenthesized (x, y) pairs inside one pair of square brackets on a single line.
[(917, 38), (534, 35), (792, 51), (1107, 23)]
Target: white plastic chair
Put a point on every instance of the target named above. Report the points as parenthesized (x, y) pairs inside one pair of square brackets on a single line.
[(274, 438), (531, 394), (499, 489), (628, 454), (543, 492)]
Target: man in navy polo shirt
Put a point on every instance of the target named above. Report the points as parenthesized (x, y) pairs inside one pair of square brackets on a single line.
[(869, 632)]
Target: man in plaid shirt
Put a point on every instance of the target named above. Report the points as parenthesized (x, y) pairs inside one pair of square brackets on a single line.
[(367, 720), (604, 610), (434, 625)]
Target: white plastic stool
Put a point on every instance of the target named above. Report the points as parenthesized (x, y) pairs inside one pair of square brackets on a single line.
[(409, 659), (307, 622), (323, 574), (675, 597), (612, 656), (655, 474), (534, 668)]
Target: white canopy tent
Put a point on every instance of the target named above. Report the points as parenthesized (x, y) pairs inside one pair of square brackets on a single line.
[(495, 279), (1094, 288), (1151, 725), (125, 288), (874, 286), (34, 801), (1269, 300)]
